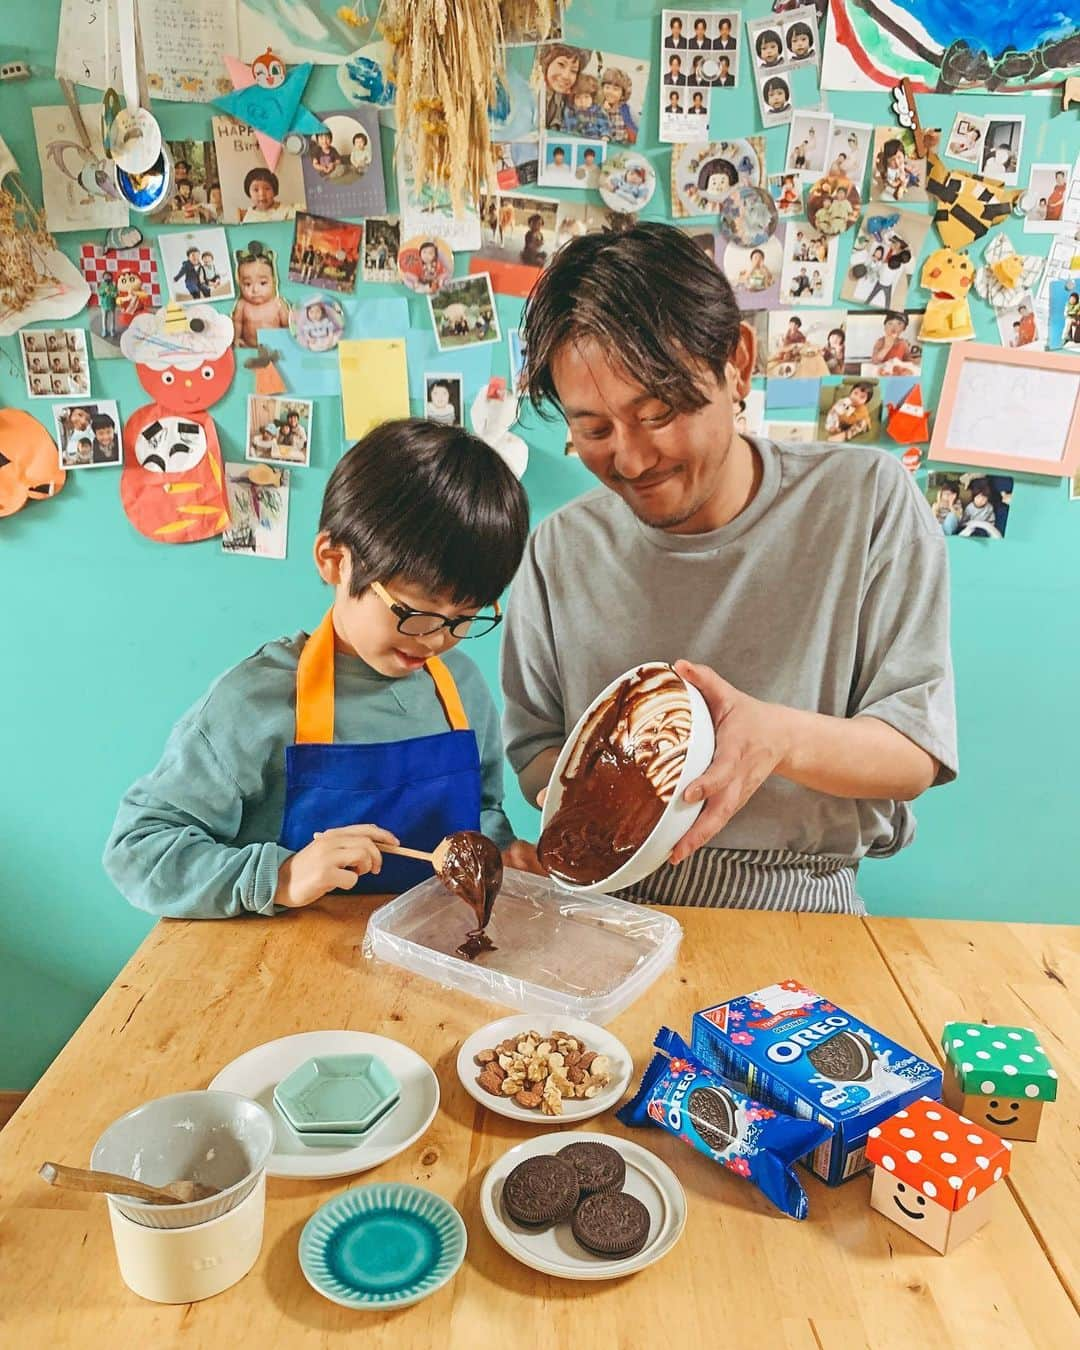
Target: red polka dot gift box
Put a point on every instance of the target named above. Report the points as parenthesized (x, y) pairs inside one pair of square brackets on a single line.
[(935, 1171), (1000, 1076)]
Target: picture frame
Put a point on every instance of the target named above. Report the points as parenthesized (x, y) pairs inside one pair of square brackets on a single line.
[(985, 410)]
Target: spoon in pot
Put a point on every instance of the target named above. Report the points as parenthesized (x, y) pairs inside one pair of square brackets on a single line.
[(86, 1179)]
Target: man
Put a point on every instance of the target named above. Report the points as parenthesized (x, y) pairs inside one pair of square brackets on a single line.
[(697, 105), (700, 42), (675, 37), (675, 71), (724, 41), (808, 585), (725, 80)]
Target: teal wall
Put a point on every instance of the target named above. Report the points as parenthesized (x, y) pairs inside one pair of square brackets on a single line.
[(107, 637)]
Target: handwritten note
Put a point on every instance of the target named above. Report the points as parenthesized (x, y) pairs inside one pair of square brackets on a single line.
[(184, 42)]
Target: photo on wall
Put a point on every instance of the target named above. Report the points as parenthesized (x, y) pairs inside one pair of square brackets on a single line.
[(1002, 142), (809, 136), (196, 195), (883, 344), (808, 275), (88, 434), (849, 151), (463, 313), (1018, 325), (805, 344), (850, 411), (755, 273), (443, 399), (123, 282), (325, 253), (196, 265), (279, 429), (382, 242), (883, 257), (970, 505), (897, 172), (251, 192), (55, 363), (585, 95), (343, 173)]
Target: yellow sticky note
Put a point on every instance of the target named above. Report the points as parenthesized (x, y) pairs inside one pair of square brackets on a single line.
[(374, 383)]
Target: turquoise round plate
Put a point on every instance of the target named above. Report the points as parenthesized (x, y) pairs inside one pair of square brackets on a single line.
[(382, 1246)]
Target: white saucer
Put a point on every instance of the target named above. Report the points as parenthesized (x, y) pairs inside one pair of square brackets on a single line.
[(256, 1074), (596, 1038), (555, 1251)]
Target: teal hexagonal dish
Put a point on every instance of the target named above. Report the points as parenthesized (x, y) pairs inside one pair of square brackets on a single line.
[(386, 1245), (337, 1093)]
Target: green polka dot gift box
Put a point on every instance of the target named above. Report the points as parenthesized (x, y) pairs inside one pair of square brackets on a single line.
[(999, 1076)]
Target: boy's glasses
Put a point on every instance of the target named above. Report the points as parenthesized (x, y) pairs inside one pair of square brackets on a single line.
[(422, 623)]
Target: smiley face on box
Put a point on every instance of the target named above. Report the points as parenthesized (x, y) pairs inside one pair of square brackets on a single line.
[(935, 1172), (999, 1076)]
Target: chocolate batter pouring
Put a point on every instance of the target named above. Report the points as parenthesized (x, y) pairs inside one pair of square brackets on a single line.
[(620, 777), (470, 866)]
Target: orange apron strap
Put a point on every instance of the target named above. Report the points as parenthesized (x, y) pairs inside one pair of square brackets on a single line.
[(448, 694), (315, 687)]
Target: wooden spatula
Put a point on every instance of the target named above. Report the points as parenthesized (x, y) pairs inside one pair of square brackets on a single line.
[(85, 1179)]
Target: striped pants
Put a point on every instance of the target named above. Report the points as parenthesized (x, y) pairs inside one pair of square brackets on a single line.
[(728, 878)]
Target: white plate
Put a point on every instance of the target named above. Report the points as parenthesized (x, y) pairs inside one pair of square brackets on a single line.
[(555, 1251), (596, 1038), (256, 1074)]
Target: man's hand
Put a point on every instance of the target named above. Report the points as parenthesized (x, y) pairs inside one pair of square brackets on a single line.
[(522, 855), (749, 746), (332, 861)]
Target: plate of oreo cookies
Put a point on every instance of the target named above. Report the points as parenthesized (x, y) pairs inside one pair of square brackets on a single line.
[(583, 1206)]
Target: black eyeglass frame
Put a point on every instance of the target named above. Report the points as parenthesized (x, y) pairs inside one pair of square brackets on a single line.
[(403, 614)]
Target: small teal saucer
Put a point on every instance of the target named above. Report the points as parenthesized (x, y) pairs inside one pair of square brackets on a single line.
[(386, 1245)]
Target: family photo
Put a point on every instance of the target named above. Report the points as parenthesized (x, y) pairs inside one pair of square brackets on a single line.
[(325, 253), (279, 429), (88, 434), (196, 265), (463, 312)]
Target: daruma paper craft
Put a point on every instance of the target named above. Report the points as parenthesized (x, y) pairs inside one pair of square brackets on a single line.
[(172, 485)]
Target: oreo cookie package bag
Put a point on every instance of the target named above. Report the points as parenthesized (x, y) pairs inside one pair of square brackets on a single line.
[(680, 1094), (798, 1052)]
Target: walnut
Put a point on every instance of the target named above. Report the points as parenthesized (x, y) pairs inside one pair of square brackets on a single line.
[(510, 1086), (576, 1075)]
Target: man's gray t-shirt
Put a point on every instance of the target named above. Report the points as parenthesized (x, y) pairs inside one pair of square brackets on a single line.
[(829, 593)]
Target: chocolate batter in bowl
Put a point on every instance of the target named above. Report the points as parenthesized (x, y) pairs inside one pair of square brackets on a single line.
[(614, 808)]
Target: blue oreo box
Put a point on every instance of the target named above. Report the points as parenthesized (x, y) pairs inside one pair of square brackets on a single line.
[(797, 1052)]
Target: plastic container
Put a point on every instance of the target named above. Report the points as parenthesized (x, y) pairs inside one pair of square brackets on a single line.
[(580, 956), (183, 1265), (217, 1138), (678, 816)]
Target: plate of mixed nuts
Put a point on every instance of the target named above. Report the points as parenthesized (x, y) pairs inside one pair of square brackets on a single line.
[(543, 1072)]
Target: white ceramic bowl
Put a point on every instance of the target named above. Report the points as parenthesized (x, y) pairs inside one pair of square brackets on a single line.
[(678, 816), (216, 1138)]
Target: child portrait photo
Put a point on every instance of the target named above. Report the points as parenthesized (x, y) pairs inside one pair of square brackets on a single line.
[(883, 256), (88, 434), (443, 399), (279, 429), (754, 273), (196, 265), (325, 253), (850, 411), (805, 344), (809, 272), (897, 173), (463, 313), (251, 192), (259, 305), (884, 344), (1001, 149)]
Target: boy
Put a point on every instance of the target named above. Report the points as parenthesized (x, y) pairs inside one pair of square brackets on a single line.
[(421, 529), (674, 71), (697, 105), (325, 160), (776, 95), (583, 117), (946, 506), (850, 417), (725, 79), (208, 274), (189, 275), (104, 449), (724, 41), (615, 90), (106, 295)]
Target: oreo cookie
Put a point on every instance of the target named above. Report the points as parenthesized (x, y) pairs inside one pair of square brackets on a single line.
[(611, 1223), (844, 1058), (678, 1093), (599, 1167), (712, 1109), (541, 1191)]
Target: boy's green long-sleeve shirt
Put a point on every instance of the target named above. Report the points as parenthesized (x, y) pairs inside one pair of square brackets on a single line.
[(196, 838)]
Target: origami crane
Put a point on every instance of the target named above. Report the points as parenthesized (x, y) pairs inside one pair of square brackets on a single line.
[(268, 99), (1006, 274)]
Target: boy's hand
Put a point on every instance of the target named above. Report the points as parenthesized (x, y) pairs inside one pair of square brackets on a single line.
[(522, 855), (332, 861)]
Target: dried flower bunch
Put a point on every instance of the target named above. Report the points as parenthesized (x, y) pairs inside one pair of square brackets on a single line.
[(25, 243), (447, 57)]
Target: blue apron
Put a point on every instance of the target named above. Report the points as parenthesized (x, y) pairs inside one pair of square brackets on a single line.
[(420, 789)]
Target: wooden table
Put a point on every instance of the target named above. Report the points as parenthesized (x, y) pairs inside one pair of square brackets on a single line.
[(195, 995)]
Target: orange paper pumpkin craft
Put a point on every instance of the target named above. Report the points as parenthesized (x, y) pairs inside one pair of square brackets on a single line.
[(29, 463), (947, 274), (934, 1171), (173, 483)]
